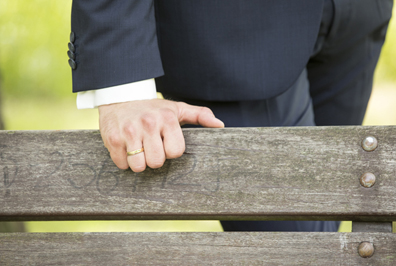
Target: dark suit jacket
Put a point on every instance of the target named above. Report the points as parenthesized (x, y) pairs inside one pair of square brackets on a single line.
[(201, 49)]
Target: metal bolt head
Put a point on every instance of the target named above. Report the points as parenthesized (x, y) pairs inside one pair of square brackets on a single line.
[(367, 180), (369, 143), (366, 249)]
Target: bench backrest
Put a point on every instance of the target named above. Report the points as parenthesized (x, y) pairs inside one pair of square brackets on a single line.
[(306, 173)]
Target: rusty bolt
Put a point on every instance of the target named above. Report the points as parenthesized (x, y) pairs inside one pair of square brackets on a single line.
[(367, 180), (370, 143), (366, 249)]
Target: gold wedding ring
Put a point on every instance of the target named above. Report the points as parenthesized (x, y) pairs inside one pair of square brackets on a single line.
[(130, 153)]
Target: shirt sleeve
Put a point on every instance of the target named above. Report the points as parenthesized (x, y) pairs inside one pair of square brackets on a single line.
[(140, 90)]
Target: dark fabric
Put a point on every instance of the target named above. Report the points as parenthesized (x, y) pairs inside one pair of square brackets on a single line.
[(254, 63), (209, 49), (337, 80), (341, 70), (281, 226), (7, 227), (115, 42), (292, 108)]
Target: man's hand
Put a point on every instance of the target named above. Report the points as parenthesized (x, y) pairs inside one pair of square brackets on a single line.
[(152, 124)]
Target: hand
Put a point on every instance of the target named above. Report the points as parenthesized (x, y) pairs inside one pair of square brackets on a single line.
[(152, 124)]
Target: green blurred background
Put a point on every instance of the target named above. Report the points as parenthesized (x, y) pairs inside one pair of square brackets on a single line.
[(36, 93)]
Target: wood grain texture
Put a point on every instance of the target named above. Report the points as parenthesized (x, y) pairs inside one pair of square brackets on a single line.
[(301, 173), (231, 248)]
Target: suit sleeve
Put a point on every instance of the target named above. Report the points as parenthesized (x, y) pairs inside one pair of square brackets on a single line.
[(114, 43)]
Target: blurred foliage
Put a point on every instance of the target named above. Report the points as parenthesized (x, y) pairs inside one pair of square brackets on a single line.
[(386, 69), (35, 34), (36, 84), (125, 226), (33, 59), (47, 114)]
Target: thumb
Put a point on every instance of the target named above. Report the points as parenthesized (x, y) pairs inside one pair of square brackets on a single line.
[(197, 115)]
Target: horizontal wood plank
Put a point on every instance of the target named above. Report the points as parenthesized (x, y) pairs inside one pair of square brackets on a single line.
[(301, 173), (232, 248)]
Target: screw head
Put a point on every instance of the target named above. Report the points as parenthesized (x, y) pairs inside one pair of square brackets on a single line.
[(366, 249), (370, 143), (367, 180)]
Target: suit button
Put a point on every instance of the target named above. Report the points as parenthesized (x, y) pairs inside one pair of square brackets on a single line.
[(71, 47), (72, 64), (72, 37), (71, 55)]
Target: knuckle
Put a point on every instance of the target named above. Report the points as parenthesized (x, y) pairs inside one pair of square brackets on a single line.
[(119, 162), (129, 131), (167, 114), (122, 166), (156, 163), (114, 140), (138, 168), (175, 153), (149, 122), (206, 110)]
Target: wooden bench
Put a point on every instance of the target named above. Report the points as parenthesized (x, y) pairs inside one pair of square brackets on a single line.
[(228, 174)]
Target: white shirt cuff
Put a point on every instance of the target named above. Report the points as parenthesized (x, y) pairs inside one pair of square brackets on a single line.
[(140, 90)]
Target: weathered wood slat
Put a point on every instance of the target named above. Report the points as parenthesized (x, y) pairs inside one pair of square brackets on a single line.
[(236, 173), (232, 248)]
